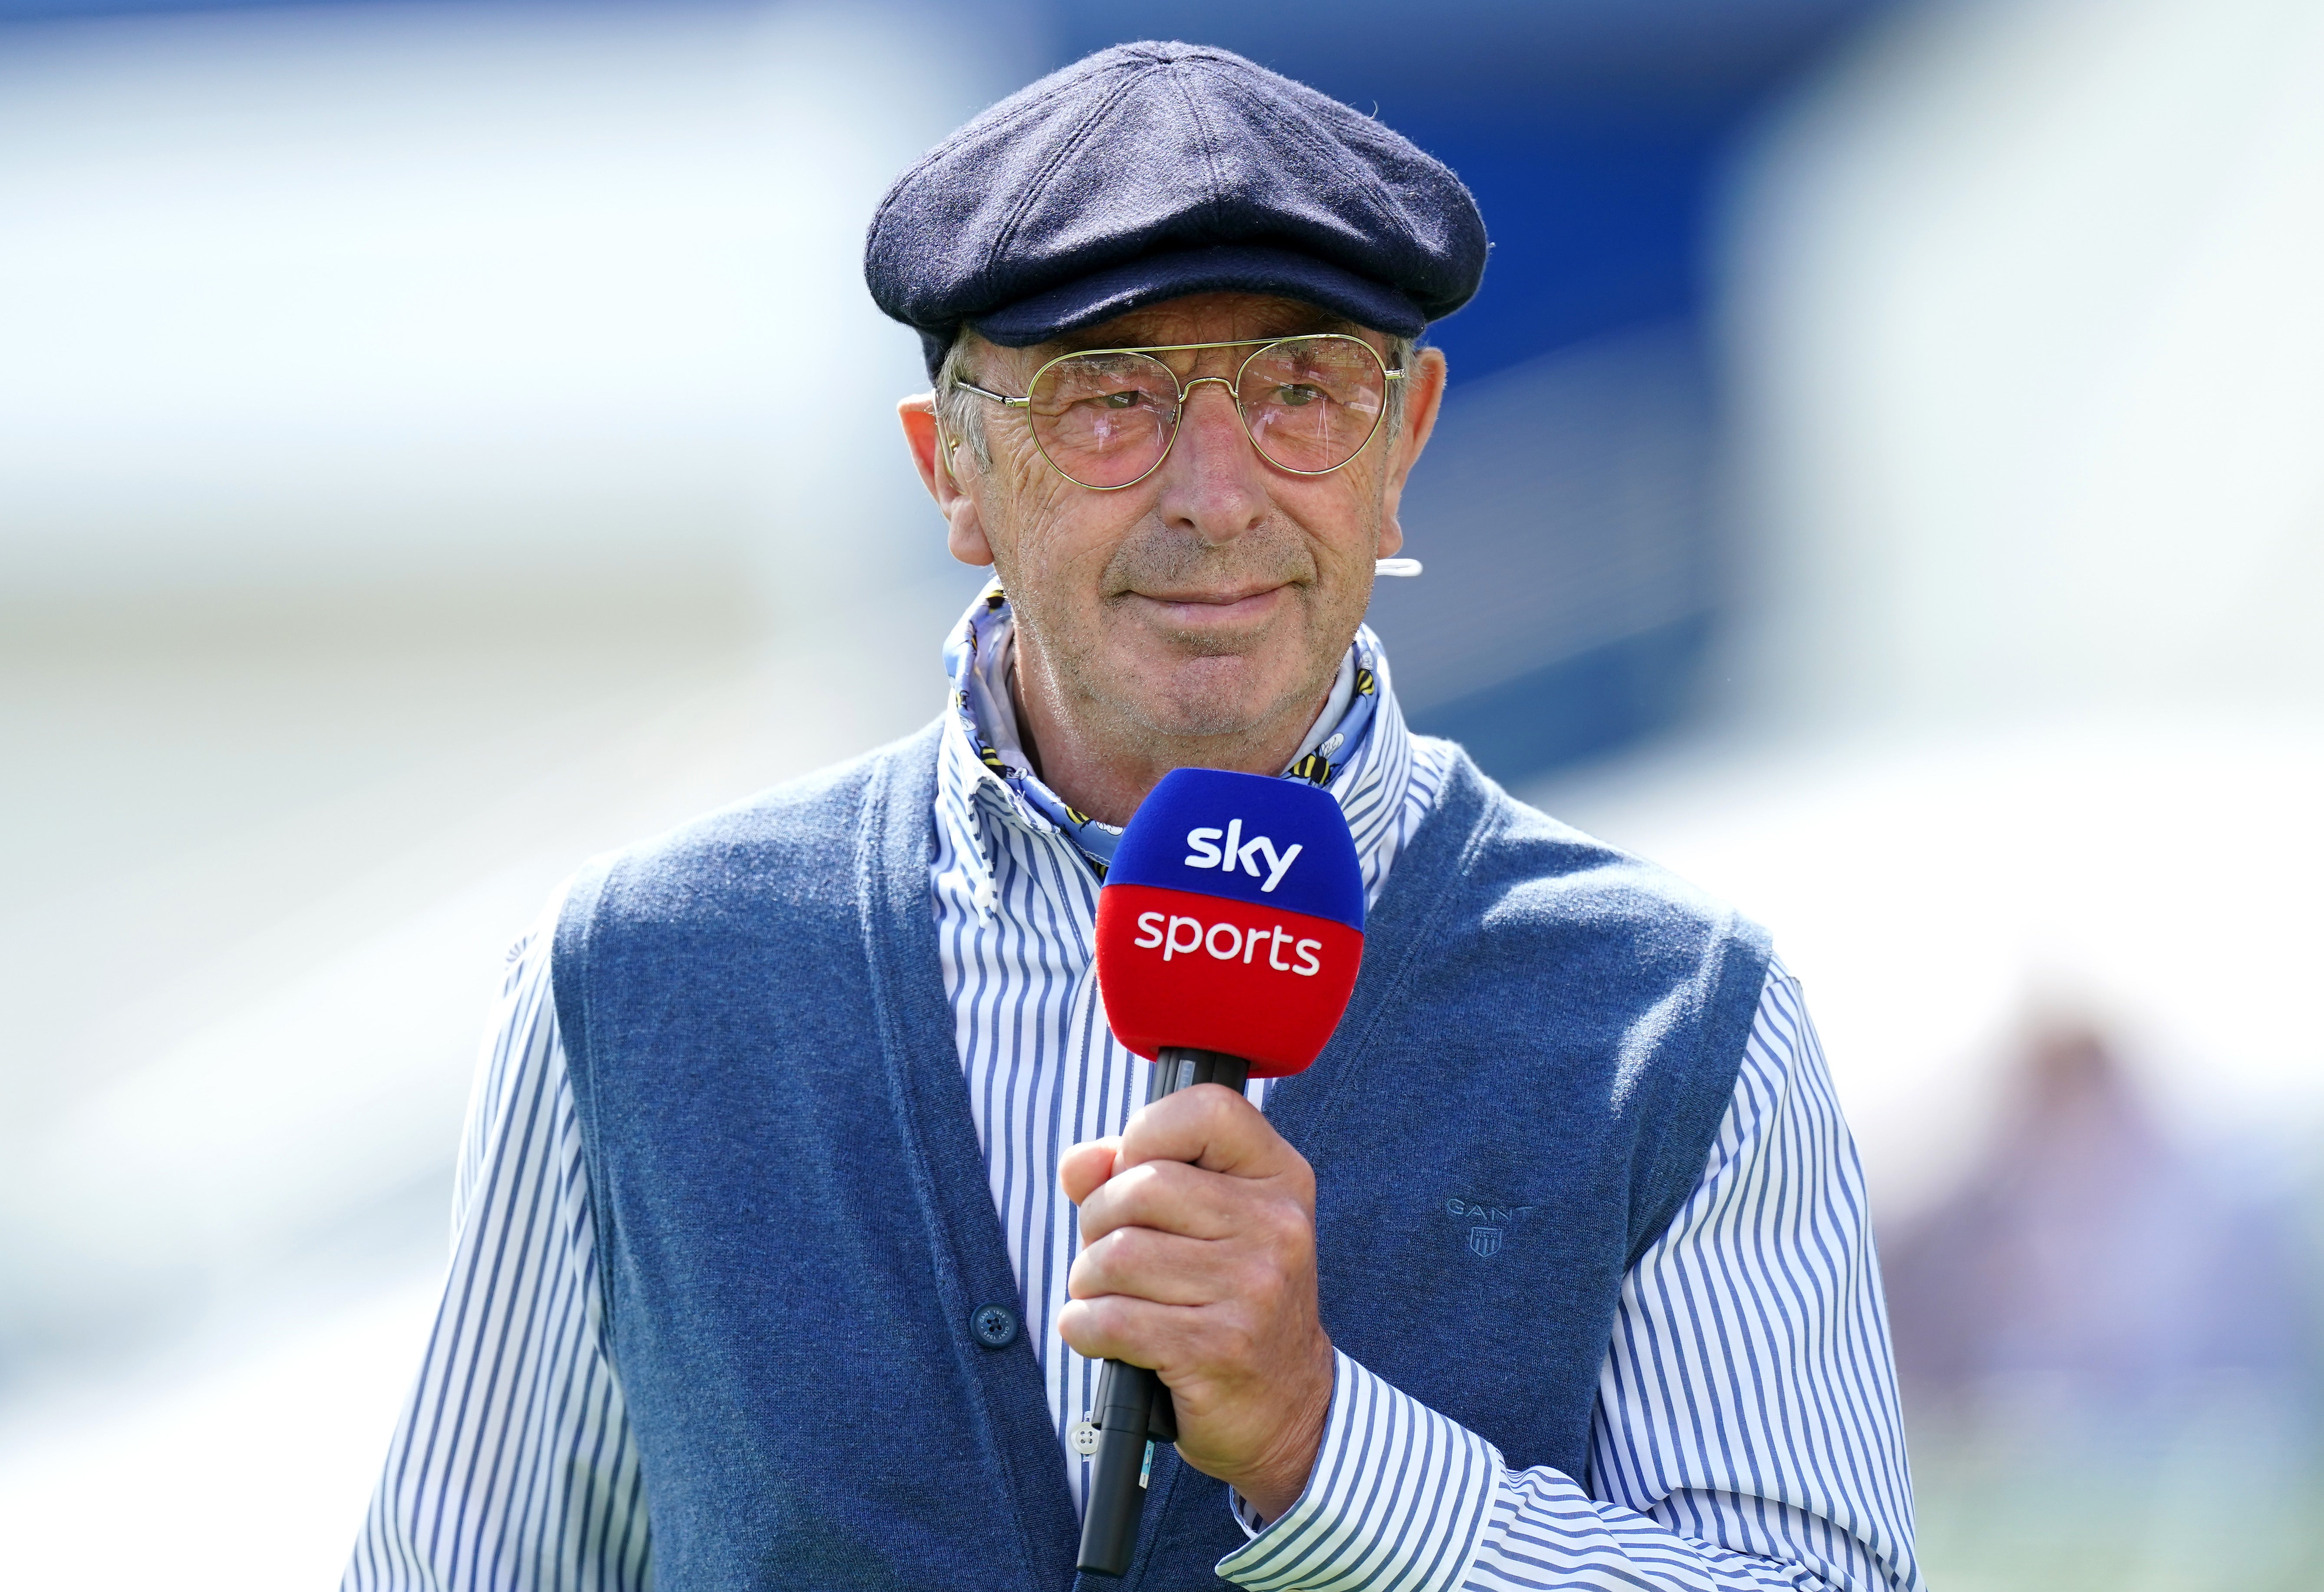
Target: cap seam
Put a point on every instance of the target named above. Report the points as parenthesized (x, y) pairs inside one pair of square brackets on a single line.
[(897, 189), (1216, 203), (1387, 208), (1033, 189)]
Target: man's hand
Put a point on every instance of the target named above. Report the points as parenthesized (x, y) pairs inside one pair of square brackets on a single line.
[(1206, 1274)]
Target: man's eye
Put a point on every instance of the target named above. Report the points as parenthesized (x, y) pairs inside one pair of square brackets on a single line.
[(1121, 400), (1297, 394)]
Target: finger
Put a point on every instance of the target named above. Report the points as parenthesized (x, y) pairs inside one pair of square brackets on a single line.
[(1172, 1198), (1084, 1168), (1270, 1258), (1116, 1327), (1161, 1268), (1212, 1126)]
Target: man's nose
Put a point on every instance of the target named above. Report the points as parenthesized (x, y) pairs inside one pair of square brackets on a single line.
[(1213, 478), (1219, 424)]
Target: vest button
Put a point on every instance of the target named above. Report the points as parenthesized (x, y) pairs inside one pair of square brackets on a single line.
[(995, 1326)]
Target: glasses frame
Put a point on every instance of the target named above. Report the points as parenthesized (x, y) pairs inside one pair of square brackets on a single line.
[(1258, 346)]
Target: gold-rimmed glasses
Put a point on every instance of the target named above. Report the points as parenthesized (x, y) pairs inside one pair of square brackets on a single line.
[(1106, 418)]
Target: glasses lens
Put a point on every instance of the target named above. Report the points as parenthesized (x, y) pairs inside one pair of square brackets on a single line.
[(1312, 402), (1105, 420)]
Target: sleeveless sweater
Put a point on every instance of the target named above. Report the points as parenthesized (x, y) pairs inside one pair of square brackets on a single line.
[(797, 1241)]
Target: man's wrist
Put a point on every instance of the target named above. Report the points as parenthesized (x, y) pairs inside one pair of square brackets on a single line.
[(1276, 1485), (1396, 1488)]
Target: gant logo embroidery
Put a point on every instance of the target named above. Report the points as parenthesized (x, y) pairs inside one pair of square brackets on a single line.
[(1493, 1222)]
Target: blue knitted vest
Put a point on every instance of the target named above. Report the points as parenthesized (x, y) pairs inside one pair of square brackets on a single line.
[(796, 1232)]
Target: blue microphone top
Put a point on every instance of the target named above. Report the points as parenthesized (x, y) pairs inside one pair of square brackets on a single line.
[(1273, 843)]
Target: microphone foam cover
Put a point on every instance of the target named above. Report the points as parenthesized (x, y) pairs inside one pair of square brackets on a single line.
[(1231, 919)]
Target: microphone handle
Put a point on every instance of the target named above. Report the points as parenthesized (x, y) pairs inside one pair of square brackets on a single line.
[(1133, 1408)]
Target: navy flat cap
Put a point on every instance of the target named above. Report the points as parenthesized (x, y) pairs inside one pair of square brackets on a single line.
[(1149, 171)]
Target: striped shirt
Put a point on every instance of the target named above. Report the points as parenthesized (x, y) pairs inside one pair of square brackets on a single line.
[(1746, 1433)]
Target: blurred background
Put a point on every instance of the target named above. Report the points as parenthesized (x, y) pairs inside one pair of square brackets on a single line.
[(1882, 480)]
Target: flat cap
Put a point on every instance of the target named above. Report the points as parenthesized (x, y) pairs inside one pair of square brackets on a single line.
[(1148, 171)]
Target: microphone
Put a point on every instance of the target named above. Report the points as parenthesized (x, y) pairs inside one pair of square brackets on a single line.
[(1229, 934)]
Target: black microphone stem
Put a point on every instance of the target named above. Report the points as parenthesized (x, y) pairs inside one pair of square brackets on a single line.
[(1133, 1408)]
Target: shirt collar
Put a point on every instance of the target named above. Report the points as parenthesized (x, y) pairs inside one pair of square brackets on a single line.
[(1357, 749)]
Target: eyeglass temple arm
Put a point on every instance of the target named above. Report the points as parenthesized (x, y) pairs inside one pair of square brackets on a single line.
[(995, 397)]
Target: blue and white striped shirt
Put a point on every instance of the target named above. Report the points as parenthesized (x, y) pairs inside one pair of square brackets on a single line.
[(1746, 1433)]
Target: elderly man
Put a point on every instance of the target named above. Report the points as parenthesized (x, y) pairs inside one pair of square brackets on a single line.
[(804, 1188)]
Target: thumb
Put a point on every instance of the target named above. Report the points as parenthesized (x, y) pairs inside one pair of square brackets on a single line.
[(1084, 1168)]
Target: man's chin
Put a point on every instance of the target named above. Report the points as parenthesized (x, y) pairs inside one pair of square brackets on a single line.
[(1221, 697), (1196, 726)]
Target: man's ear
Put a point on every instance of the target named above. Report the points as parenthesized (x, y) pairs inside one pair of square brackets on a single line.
[(1424, 396), (933, 456)]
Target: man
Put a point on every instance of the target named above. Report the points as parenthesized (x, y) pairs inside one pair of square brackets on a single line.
[(804, 1190)]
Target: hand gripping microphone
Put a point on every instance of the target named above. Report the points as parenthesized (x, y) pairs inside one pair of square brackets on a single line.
[(1229, 933)]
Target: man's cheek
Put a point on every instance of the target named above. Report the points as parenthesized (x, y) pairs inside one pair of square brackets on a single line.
[(1041, 494)]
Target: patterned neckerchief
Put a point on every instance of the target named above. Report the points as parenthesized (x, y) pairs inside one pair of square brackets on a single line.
[(977, 661)]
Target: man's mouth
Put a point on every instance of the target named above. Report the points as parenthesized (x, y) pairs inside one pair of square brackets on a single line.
[(1200, 608)]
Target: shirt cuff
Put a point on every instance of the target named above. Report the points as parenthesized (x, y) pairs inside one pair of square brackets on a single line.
[(1397, 1500)]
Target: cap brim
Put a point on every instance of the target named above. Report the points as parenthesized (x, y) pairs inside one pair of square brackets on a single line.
[(1150, 279)]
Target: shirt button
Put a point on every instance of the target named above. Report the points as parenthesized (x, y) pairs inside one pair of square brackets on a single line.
[(995, 1326)]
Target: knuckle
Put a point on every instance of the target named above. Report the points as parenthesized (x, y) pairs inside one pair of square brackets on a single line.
[(1112, 1206), (1097, 1319), (1128, 1250), (1128, 1262), (1286, 1227), (1156, 1184), (1097, 1221), (1104, 1258), (1085, 1277)]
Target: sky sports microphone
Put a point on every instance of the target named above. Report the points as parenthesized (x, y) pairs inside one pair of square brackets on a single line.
[(1229, 934)]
